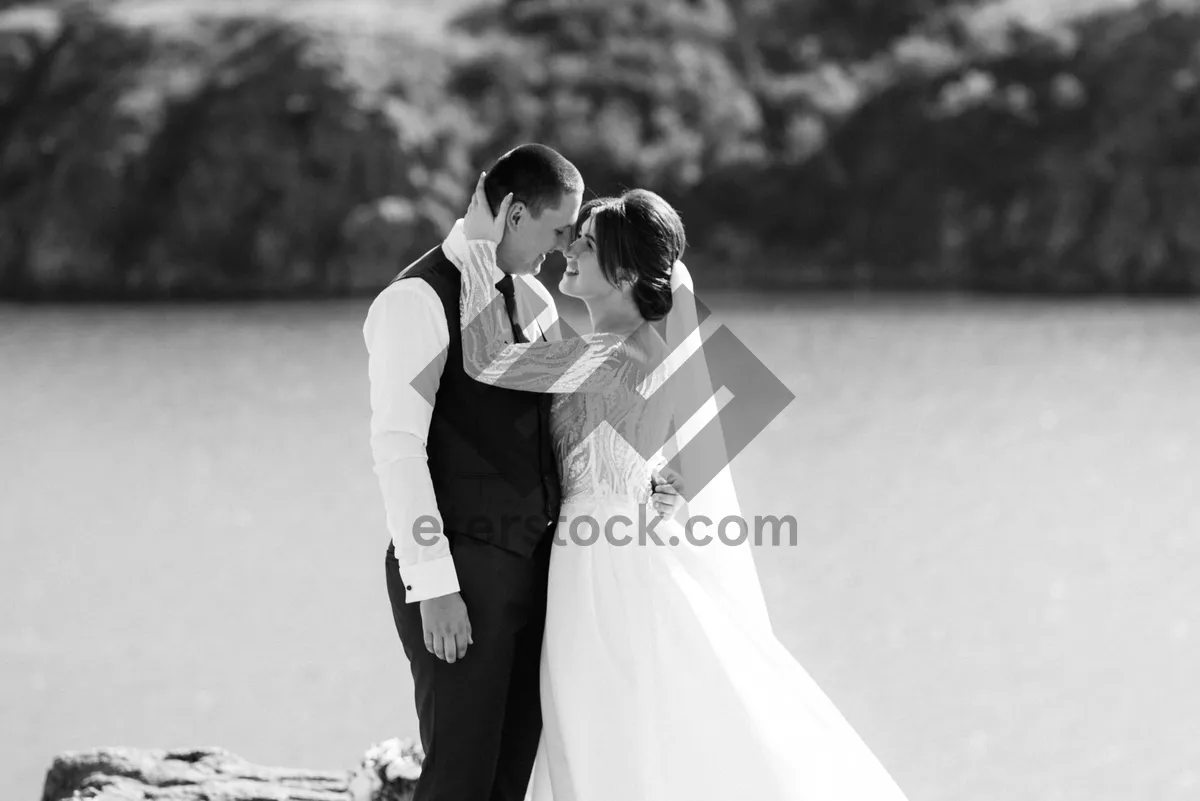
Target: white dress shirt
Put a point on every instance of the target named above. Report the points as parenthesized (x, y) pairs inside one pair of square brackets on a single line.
[(406, 332)]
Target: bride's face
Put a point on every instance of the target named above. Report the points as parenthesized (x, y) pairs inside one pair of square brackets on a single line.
[(583, 277)]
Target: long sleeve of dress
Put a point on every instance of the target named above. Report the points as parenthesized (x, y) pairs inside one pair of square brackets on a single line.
[(578, 364)]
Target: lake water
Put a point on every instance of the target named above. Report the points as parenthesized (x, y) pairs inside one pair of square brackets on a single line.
[(997, 578)]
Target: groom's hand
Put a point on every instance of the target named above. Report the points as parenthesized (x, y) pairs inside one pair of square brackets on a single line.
[(666, 492), (447, 627)]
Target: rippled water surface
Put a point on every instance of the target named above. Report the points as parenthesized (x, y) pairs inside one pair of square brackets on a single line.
[(997, 576)]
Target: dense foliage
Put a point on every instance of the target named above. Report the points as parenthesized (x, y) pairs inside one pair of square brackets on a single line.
[(232, 157), (904, 143)]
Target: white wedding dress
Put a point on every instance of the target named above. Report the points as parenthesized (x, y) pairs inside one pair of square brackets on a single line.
[(661, 679)]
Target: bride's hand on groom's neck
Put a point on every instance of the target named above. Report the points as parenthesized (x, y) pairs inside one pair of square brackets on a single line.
[(479, 223)]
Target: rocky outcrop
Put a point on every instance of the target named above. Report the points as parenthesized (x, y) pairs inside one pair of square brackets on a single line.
[(215, 157), (387, 772)]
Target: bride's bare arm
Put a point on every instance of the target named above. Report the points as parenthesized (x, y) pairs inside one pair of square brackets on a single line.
[(578, 364)]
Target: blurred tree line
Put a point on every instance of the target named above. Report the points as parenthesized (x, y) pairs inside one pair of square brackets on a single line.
[(881, 143)]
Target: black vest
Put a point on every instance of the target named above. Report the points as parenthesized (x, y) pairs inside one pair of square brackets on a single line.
[(490, 452)]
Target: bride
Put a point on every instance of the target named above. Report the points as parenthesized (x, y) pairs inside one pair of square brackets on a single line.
[(661, 679)]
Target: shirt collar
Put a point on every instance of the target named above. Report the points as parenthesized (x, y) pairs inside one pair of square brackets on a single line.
[(455, 248)]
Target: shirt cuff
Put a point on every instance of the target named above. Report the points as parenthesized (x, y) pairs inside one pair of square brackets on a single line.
[(429, 579)]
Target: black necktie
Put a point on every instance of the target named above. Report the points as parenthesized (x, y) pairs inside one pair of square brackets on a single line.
[(506, 288)]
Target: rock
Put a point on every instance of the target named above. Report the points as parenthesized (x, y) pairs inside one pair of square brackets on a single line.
[(218, 156), (387, 772)]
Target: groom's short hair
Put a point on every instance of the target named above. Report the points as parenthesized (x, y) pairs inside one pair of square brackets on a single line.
[(538, 176)]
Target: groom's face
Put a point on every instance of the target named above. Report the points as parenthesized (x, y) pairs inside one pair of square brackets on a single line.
[(529, 239)]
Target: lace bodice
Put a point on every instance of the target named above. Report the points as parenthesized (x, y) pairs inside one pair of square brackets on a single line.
[(606, 442), (609, 420)]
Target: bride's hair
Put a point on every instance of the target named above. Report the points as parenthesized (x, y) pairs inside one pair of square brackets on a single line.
[(639, 237)]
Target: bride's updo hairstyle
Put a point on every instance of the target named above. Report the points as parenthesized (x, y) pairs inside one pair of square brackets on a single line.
[(639, 237)]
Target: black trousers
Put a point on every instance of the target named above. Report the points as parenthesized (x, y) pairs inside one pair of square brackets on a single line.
[(480, 718)]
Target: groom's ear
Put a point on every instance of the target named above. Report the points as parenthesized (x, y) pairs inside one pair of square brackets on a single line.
[(516, 213)]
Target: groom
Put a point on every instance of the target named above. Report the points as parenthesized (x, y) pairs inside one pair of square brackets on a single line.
[(470, 545)]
